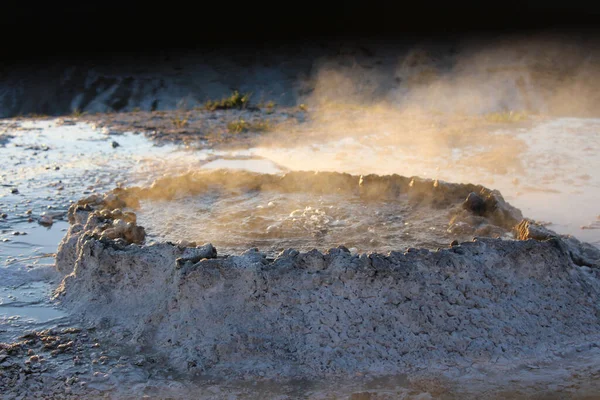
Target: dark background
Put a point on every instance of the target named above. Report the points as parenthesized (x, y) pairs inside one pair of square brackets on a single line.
[(62, 31)]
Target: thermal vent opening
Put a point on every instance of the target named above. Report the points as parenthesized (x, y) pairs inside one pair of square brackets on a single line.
[(236, 210)]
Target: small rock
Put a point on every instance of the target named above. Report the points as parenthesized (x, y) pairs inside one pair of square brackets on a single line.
[(99, 376), (454, 243), (474, 203), (28, 212), (139, 361), (14, 191), (46, 220), (3, 216), (115, 144), (185, 243), (65, 346)]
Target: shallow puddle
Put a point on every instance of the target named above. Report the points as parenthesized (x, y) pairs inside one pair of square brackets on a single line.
[(47, 165), (25, 306), (31, 313)]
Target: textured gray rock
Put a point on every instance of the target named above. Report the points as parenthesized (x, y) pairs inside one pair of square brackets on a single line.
[(334, 313), (581, 253)]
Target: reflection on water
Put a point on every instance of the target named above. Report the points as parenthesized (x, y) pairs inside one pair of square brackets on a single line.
[(30, 313), (25, 306), (45, 166)]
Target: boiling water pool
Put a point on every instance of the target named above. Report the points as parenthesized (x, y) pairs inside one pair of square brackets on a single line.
[(273, 221)]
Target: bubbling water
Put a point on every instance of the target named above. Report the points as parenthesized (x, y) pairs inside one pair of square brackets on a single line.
[(273, 218)]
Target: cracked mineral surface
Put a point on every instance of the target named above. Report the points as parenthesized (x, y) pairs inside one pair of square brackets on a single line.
[(314, 314)]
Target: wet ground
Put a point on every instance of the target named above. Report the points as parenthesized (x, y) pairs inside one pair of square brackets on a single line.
[(46, 165), (548, 168)]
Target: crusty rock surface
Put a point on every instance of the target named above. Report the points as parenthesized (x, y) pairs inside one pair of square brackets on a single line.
[(100, 217), (581, 253), (317, 314)]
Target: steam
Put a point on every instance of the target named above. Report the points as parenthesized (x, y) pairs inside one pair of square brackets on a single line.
[(442, 111), (514, 115)]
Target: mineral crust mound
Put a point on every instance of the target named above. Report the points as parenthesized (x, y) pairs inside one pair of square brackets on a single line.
[(314, 313)]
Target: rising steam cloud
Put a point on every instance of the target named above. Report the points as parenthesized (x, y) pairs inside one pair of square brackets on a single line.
[(435, 109)]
